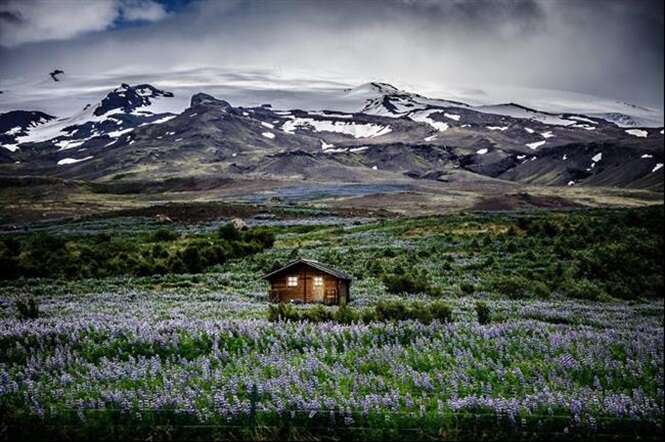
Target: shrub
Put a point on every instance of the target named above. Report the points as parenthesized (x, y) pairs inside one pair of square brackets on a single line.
[(191, 258), (262, 236), (282, 312), (27, 309), (540, 289), (441, 311), (163, 234), (368, 315), (408, 283), (317, 313), (514, 287), (420, 312), (384, 311), (467, 288), (483, 312), (390, 311), (228, 232), (346, 315), (583, 289)]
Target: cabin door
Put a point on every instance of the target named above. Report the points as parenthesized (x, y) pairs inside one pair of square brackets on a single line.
[(317, 289)]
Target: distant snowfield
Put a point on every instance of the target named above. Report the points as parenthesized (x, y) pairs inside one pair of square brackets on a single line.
[(349, 128), (253, 88)]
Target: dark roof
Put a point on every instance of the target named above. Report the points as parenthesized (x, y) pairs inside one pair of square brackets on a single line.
[(310, 262)]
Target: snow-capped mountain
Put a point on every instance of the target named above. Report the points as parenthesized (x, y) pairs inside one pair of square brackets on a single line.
[(17, 124), (374, 131), (119, 112), (251, 88)]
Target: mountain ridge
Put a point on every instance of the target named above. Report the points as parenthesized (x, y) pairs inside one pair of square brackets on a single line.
[(395, 135)]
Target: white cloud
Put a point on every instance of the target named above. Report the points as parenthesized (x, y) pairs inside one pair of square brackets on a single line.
[(142, 10), (29, 21)]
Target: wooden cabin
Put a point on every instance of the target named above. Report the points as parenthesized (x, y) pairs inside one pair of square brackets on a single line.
[(308, 281)]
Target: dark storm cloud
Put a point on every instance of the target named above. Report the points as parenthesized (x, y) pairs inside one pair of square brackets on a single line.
[(612, 48)]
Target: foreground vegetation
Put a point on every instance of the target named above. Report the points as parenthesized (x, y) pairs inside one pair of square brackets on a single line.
[(478, 326)]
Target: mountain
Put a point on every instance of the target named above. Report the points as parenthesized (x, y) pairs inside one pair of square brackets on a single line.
[(17, 124), (375, 133)]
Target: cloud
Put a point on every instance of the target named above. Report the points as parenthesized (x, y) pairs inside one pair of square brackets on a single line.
[(611, 48), (30, 21), (142, 10)]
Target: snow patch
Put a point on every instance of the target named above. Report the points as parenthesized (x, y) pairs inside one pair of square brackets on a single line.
[(657, 168), (366, 130), (267, 135), (482, 151), (423, 117), (11, 147), (499, 128), (66, 161), (165, 119), (69, 144), (536, 145), (118, 133), (640, 133)]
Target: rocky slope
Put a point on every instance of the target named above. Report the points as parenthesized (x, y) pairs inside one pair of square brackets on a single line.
[(393, 135)]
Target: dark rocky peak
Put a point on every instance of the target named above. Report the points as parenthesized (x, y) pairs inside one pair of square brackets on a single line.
[(128, 98), (10, 121), (202, 99)]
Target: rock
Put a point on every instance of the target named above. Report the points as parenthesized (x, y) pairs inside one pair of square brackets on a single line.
[(160, 218), (239, 224)]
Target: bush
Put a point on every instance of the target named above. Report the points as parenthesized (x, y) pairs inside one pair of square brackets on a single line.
[(103, 255), (540, 289), (228, 232), (282, 312), (423, 312), (467, 288), (514, 287), (346, 315), (441, 311), (408, 283), (583, 289), (164, 235), (317, 313), (391, 311), (384, 311), (483, 312), (27, 309)]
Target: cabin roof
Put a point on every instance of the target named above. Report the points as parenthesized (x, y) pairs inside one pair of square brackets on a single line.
[(314, 264)]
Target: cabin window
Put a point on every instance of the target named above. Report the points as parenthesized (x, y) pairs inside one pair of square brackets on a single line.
[(292, 281), (318, 281)]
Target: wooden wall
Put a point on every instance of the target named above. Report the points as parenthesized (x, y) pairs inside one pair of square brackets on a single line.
[(306, 290)]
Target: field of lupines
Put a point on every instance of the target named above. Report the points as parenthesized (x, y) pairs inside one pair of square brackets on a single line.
[(190, 349)]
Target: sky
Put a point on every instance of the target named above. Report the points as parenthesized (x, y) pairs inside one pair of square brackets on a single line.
[(608, 48)]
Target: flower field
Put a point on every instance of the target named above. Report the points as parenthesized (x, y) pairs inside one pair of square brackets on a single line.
[(198, 351)]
